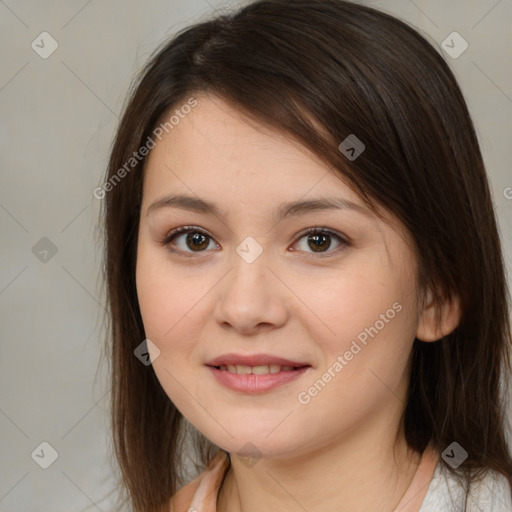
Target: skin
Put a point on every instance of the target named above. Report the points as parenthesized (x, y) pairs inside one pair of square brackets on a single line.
[(292, 302)]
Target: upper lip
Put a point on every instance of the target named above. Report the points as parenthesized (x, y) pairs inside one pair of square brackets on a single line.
[(253, 360)]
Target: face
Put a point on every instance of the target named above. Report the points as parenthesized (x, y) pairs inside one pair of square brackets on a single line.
[(245, 277)]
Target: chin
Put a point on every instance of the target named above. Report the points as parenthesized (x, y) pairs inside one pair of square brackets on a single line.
[(256, 445)]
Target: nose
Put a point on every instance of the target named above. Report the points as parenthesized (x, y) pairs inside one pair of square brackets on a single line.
[(251, 299)]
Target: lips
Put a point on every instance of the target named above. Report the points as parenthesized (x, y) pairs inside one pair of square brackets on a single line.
[(254, 382), (257, 373), (254, 360)]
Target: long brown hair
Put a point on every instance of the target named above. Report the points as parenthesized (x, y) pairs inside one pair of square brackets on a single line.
[(297, 65)]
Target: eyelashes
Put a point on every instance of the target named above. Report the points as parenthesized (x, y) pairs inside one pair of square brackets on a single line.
[(320, 237), (187, 230)]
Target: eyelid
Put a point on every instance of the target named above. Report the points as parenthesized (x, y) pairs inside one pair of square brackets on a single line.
[(322, 229), (174, 233), (183, 229), (343, 239)]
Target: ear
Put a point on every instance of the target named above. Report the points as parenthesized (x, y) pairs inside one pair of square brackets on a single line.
[(437, 321)]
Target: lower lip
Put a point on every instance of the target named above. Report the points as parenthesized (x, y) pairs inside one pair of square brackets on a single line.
[(252, 383)]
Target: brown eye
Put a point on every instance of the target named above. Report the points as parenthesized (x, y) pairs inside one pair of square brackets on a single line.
[(197, 241), (320, 240), (188, 239), (319, 243)]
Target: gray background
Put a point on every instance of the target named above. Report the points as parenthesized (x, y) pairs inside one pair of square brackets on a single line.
[(58, 117)]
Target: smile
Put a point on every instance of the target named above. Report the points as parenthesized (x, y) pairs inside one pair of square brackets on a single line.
[(256, 370), (256, 379)]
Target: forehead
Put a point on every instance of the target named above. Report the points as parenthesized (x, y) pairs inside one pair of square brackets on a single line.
[(215, 150)]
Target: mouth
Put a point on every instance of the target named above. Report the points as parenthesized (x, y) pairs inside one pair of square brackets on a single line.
[(266, 363), (259, 369), (255, 374)]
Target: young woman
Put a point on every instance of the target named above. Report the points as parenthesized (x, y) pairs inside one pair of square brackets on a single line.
[(300, 239)]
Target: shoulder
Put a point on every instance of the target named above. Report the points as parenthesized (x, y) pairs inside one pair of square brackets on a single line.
[(492, 493), (201, 493)]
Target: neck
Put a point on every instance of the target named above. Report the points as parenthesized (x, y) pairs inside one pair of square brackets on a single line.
[(355, 474)]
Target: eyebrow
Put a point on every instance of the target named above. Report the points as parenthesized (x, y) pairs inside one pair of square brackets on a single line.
[(294, 208)]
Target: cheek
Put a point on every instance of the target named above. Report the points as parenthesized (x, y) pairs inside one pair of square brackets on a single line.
[(164, 300), (346, 303), (363, 363), (367, 319), (167, 302)]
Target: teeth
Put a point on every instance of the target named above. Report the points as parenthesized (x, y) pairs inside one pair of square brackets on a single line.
[(260, 370), (256, 370), (274, 368)]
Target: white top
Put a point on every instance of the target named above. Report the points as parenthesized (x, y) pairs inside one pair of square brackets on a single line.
[(445, 494)]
